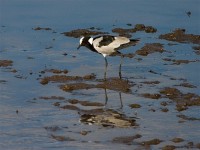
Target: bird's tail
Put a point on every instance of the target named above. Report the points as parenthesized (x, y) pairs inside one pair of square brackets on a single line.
[(135, 40)]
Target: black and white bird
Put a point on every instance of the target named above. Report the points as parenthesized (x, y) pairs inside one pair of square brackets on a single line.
[(107, 45)]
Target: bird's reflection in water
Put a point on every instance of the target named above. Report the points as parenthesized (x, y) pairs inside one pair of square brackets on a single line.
[(120, 98), (108, 117)]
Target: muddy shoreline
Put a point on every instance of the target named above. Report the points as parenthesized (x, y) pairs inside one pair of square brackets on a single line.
[(121, 105)]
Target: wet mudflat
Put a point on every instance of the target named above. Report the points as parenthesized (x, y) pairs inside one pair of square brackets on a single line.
[(53, 96)]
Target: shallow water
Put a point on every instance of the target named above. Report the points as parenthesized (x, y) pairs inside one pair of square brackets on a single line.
[(29, 121)]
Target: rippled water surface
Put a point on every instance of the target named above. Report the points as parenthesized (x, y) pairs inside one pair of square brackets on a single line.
[(154, 106)]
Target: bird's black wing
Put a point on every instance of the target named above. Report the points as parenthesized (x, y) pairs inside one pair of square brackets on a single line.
[(106, 40)]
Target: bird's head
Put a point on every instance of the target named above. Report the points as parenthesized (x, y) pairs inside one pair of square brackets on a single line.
[(85, 41)]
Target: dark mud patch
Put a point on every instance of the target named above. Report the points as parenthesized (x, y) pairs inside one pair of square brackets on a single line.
[(71, 107), (3, 81), (57, 71), (126, 139), (184, 117), (151, 82), (129, 55), (84, 103), (150, 48), (138, 27), (134, 105), (170, 77), (189, 145), (164, 109), (151, 71), (183, 101), (151, 142), (57, 104), (82, 32), (177, 140), (84, 132), (169, 147), (178, 62), (151, 96), (97, 111), (61, 138), (52, 98), (40, 28), (76, 86), (164, 103), (188, 85), (64, 78), (197, 49), (49, 47), (52, 128), (114, 84), (6, 63), (180, 36)]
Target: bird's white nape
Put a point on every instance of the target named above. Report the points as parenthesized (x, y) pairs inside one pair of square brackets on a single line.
[(81, 40), (90, 40)]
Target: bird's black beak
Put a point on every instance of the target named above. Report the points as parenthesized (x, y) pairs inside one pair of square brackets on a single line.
[(78, 46)]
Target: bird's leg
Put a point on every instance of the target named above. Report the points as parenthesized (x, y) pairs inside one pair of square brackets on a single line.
[(120, 96), (106, 65), (106, 97), (120, 66)]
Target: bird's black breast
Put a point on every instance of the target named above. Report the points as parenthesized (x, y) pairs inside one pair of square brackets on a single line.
[(107, 39), (90, 47)]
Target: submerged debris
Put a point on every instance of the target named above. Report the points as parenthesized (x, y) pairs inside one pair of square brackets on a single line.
[(108, 118), (188, 13)]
